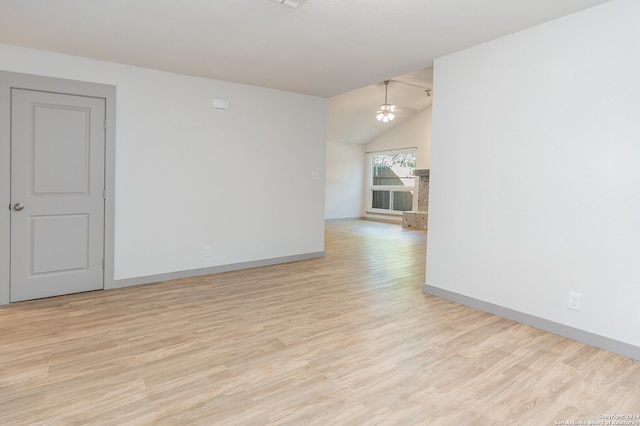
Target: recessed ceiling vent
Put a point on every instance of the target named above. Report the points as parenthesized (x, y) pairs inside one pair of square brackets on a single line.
[(290, 3)]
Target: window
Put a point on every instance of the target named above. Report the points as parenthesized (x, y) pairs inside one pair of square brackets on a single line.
[(391, 181)]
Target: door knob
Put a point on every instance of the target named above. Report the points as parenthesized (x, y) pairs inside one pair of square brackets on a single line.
[(18, 206)]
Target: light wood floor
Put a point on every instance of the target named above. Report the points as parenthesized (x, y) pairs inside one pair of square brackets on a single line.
[(345, 340)]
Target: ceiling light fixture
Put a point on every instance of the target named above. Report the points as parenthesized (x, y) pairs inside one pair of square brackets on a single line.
[(385, 113)]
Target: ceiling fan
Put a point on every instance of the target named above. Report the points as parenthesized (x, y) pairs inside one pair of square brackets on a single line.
[(387, 112)]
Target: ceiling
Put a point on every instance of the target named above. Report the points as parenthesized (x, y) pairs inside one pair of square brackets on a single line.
[(323, 48)]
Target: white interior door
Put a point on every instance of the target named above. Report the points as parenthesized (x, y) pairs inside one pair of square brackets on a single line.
[(57, 198)]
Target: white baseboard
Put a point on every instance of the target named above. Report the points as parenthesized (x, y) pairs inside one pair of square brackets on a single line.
[(343, 219)]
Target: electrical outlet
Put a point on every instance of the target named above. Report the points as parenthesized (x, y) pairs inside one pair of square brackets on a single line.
[(207, 251), (315, 175), (574, 300)]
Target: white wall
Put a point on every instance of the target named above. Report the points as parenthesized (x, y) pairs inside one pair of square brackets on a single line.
[(535, 183), (344, 180), (414, 132), (188, 176)]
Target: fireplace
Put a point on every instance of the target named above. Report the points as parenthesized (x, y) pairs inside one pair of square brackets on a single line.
[(417, 219)]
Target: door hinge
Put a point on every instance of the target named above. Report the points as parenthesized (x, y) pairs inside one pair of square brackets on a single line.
[(105, 124), (102, 263), (104, 194)]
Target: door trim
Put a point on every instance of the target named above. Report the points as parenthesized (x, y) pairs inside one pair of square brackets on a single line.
[(9, 80)]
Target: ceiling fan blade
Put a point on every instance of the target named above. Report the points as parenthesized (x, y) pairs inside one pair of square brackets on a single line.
[(403, 110)]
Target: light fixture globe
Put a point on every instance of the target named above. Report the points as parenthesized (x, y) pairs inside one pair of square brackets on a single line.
[(385, 113)]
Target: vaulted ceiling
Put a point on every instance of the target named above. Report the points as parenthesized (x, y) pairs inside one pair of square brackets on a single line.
[(352, 114), (322, 48)]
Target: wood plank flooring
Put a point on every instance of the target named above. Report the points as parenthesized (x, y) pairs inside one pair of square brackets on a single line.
[(348, 339)]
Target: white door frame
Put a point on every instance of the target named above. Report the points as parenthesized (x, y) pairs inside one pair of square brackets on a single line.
[(9, 80)]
